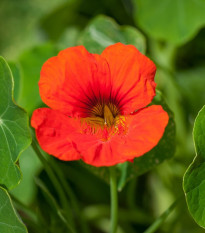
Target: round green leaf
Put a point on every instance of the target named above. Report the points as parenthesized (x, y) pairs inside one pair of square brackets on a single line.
[(9, 220), (194, 178), (176, 21), (14, 131), (104, 31)]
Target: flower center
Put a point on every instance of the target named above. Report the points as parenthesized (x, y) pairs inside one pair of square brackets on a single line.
[(103, 115), (104, 120)]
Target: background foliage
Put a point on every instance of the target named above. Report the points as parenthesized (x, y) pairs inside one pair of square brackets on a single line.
[(172, 34)]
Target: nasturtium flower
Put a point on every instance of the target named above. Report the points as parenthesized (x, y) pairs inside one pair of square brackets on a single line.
[(98, 105)]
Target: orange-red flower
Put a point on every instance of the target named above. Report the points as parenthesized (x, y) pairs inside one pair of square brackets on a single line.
[(98, 105)]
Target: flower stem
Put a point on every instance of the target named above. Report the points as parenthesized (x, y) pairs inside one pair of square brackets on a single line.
[(158, 222), (114, 200)]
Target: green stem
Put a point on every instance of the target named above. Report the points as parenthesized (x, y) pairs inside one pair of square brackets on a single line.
[(114, 200), (57, 185), (154, 227)]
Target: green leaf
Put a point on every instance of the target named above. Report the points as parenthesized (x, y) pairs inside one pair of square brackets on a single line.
[(14, 131), (170, 20), (104, 31), (9, 219), (194, 179), (31, 62), (165, 149)]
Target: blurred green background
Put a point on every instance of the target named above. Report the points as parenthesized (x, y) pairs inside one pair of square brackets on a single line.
[(172, 34)]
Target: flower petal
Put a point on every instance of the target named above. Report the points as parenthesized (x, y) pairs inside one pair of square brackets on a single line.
[(54, 131), (132, 77), (144, 130), (74, 81)]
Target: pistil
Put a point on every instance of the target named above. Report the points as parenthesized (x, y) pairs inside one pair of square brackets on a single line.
[(108, 116)]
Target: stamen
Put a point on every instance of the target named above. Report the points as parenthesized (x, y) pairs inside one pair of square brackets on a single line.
[(93, 120)]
